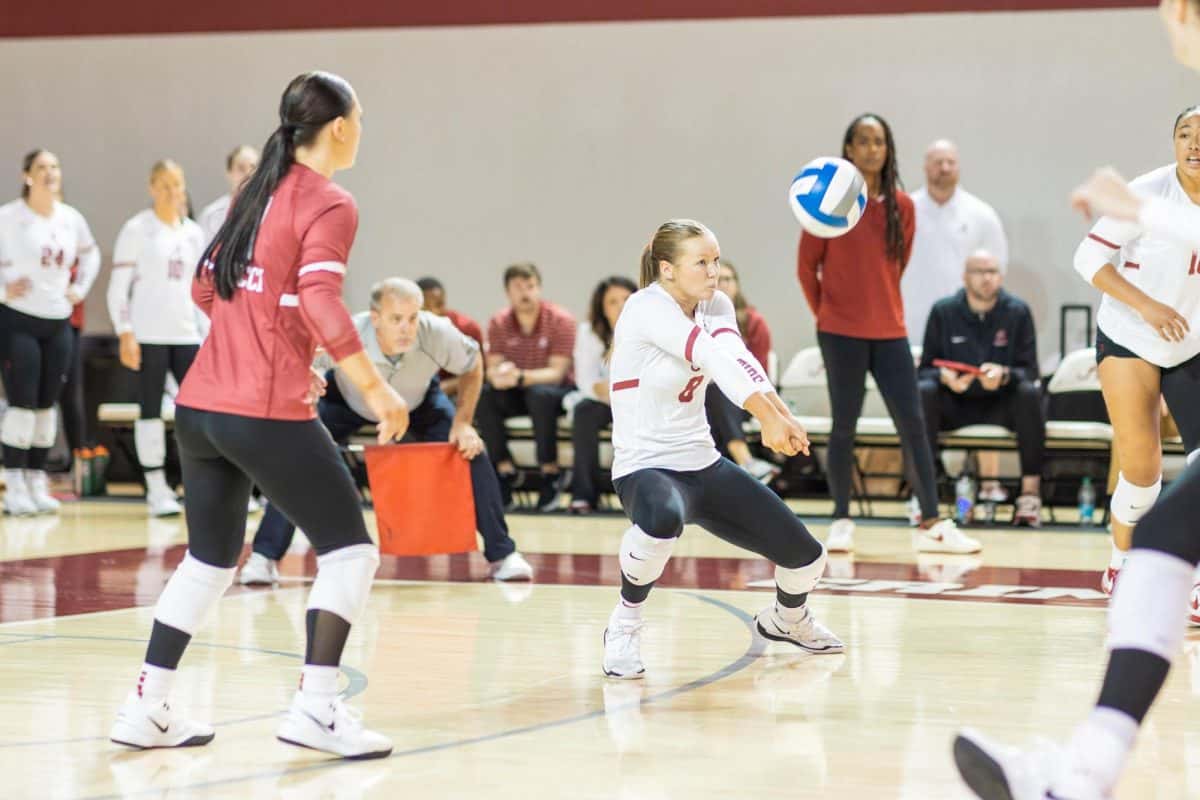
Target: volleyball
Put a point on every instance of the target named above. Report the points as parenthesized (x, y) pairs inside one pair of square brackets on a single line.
[(828, 197)]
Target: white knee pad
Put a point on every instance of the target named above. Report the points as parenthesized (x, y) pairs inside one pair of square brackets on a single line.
[(17, 428), (1192, 456), (150, 438), (45, 427), (801, 580), (344, 580), (1130, 503), (644, 557), (191, 594), (1149, 607)]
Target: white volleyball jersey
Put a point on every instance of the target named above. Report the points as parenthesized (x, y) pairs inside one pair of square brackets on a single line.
[(1166, 270), (150, 292), (213, 216), (43, 250), (661, 365)]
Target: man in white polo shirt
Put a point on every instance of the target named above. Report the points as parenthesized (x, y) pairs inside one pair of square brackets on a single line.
[(952, 223)]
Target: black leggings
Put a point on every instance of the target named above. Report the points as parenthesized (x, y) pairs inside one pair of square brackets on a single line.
[(75, 426), (723, 499), (847, 361), (296, 464), (34, 353), (152, 378)]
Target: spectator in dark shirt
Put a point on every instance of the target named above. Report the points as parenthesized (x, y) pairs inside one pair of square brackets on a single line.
[(529, 347), (991, 332), (435, 302)]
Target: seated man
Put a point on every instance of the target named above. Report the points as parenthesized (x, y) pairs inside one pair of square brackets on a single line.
[(985, 327), (408, 346), (529, 347), (435, 302)]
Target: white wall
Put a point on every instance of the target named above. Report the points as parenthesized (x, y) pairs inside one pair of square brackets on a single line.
[(568, 144)]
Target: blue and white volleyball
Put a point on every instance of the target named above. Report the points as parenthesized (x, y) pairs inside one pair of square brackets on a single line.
[(828, 197)]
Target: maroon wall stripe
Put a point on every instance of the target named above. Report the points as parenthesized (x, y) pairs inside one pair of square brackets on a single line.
[(72, 18)]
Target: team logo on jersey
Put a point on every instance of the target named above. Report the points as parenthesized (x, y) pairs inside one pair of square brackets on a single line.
[(252, 281), (1001, 339), (754, 374)]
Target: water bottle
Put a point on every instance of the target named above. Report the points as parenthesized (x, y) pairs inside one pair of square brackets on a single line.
[(1087, 502), (100, 459), (964, 498)]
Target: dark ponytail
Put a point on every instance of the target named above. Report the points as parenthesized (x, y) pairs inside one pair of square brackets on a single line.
[(309, 103), (26, 165), (889, 181)]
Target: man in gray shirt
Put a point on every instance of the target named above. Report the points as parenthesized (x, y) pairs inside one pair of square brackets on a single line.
[(410, 347)]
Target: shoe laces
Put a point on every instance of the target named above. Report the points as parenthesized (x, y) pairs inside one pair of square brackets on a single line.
[(344, 716), (627, 636)]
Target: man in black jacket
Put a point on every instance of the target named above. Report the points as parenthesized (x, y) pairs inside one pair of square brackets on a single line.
[(988, 335)]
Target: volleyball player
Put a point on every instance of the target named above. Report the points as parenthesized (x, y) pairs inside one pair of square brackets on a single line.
[(40, 240), (271, 282), (1144, 343), (239, 166), (673, 336), (150, 302), (1146, 619)]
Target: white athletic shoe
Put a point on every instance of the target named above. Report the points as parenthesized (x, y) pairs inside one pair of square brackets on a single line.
[(513, 567), (623, 649), (145, 723), (841, 537), (807, 634), (39, 491), (17, 502), (333, 728), (1194, 607), (259, 571), (1108, 581), (995, 772), (945, 537), (763, 471), (163, 503)]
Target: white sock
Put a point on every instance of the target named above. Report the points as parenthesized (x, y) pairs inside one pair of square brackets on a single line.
[(156, 481), (14, 479), (1117, 559), (154, 683), (1097, 752), (628, 612), (318, 682), (790, 615)]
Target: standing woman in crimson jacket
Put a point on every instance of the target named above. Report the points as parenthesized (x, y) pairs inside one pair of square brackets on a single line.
[(853, 288)]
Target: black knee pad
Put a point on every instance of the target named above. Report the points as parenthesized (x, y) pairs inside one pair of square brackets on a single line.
[(1169, 529)]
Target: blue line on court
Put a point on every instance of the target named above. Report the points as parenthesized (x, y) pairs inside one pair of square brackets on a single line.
[(733, 667)]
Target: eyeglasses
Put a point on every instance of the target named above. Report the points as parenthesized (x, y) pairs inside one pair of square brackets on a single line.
[(990, 273)]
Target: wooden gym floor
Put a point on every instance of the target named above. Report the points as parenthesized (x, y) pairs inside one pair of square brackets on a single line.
[(495, 691)]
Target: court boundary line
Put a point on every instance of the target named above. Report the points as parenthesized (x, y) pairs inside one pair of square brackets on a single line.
[(356, 682), (750, 655)]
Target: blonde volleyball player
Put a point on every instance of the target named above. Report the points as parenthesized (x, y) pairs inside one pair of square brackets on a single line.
[(673, 336), (150, 302), (1146, 618), (1145, 345), (239, 166), (40, 240), (271, 282)]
